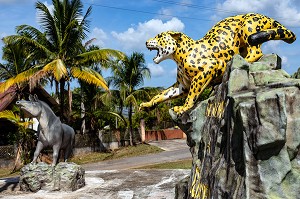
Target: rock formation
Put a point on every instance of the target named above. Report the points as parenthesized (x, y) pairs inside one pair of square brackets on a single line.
[(65, 176), (245, 138)]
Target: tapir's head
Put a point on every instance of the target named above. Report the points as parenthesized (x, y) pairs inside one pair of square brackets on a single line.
[(33, 106)]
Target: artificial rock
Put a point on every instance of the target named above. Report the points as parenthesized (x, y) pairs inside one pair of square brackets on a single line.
[(65, 176), (245, 138)]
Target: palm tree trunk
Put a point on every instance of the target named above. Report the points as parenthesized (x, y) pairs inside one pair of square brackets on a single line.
[(57, 91), (70, 101), (17, 164), (82, 111), (130, 125), (62, 97)]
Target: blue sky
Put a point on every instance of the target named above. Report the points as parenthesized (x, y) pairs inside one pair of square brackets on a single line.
[(126, 25)]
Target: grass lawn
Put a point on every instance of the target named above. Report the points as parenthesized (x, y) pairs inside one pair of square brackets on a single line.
[(181, 164), (5, 172)]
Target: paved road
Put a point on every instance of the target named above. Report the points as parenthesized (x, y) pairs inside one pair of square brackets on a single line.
[(116, 179), (174, 150)]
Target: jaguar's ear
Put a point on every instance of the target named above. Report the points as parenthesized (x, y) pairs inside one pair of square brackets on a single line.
[(175, 35)]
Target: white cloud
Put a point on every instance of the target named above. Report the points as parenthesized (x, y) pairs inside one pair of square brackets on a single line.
[(100, 36), (242, 6), (156, 70), (276, 48), (176, 9), (284, 11), (271, 46), (166, 11), (135, 37)]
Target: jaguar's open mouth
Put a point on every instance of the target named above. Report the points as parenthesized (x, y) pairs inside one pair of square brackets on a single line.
[(154, 48)]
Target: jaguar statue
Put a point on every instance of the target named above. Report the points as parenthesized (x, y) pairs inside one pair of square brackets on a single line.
[(203, 62)]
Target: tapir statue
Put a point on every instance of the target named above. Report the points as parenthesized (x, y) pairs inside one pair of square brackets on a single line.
[(51, 131)]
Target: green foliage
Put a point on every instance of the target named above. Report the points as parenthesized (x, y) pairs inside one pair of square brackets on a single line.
[(56, 53), (159, 117), (24, 137), (128, 75)]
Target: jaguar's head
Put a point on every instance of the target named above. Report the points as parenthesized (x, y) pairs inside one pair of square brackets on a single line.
[(165, 43)]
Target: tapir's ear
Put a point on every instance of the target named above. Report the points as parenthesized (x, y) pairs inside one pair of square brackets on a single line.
[(35, 98), (31, 98)]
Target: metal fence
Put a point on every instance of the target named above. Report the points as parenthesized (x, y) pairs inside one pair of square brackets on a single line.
[(7, 151)]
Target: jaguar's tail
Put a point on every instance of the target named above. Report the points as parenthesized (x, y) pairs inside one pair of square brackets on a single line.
[(278, 32)]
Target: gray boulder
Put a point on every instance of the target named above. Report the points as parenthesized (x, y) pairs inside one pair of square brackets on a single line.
[(245, 138), (65, 176)]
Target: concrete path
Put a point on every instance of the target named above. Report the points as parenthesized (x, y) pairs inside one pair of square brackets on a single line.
[(116, 179), (174, 150)]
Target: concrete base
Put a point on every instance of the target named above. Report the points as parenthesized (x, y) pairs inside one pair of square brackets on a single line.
[(108, 184)]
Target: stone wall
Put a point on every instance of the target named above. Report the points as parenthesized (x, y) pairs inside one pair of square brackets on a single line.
[(245, 138)]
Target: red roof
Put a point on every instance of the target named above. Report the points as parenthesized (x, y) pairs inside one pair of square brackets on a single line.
[(7, 97), (10, 95)]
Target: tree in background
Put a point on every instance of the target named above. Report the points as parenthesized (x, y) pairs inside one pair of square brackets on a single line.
[(17, 59), (128, 75), (58, 49), (23, 138)]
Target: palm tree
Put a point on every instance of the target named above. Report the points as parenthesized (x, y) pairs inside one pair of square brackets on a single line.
[(128, 76), (18, 59), (59, 47)]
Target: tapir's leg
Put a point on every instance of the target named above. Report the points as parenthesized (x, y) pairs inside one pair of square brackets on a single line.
[(38, 150), (56, 149), (68, 152)]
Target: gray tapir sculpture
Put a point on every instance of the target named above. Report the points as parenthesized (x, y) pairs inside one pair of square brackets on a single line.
[(51, 132)]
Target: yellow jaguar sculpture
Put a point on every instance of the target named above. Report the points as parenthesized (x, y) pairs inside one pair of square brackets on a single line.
[(201, 62)]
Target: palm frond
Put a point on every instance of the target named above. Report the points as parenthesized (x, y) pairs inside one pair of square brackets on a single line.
[(99, 55), (68, 34), (28, 41), (85, 22), (141, 94), (130, 99), (9, 115), (18, 79), (106, 98), (48, 22), (121, 117), (14, 118), (90, 76), (57, 68), (35, 78)]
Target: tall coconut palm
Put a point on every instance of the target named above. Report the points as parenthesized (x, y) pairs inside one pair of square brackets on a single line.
[(128, 76), (58, 46)]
